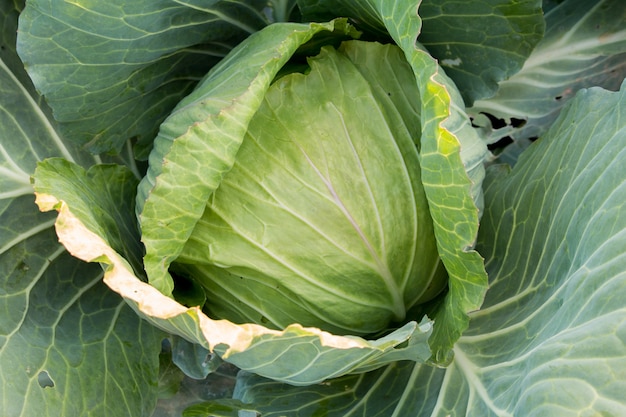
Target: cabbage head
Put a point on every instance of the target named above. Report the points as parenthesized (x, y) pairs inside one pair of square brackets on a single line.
[(323, 219)]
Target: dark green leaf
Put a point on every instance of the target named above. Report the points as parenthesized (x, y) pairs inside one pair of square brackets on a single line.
[(477, 43), (221, 408), (170, 376), (68, 345), (112, 70), (193, 359), (217, 385), (480, 43)]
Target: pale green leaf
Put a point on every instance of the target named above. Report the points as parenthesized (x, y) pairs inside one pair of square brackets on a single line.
[(323, 220), (198, 142), (112, 70), (452, 174)]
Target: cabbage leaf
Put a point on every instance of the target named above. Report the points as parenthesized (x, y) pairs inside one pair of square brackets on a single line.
[(140, 58), (186, 167), (461, 35), (58, 320), (298, 355), (582, 47)]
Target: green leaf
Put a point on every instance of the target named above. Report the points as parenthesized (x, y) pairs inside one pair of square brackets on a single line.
[(451, 160), (296, 355), (284, 10), (112, 70), (103, 197), (480, 43), (217, 385), (477, 43), (59, 321), (220, 408), (77, 306), (399, 389), (583, 47), (193, 359), (556, 226), (198, 142), (9, 13), (170, 376), (549, 339), (452, 174)]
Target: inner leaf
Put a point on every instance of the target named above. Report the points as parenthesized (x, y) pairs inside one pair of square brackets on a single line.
[(322, 220)]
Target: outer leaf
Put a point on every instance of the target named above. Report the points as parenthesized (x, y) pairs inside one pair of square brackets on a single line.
[(112, 70), (556, 226), (481, 43), (57, 320), (452, 195), (198, 142), (102, 197), (478, 43), (297, 355), (376, 394), (549, 339), (583, 47), (113, 342)]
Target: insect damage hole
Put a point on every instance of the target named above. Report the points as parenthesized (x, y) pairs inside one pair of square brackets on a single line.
[(44, 380)]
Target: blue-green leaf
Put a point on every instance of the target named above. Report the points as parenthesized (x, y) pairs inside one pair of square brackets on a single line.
[(68, 345), (583, 47)]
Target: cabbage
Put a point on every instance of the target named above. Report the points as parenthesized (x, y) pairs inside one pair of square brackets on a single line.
[(323, 219)]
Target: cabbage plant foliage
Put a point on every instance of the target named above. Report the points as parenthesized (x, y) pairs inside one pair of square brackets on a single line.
[(338, 208)]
